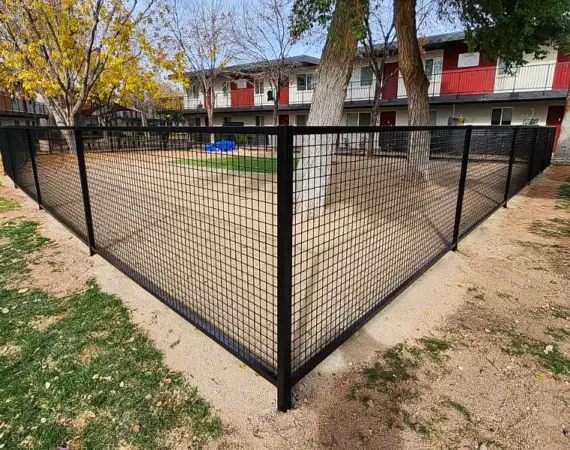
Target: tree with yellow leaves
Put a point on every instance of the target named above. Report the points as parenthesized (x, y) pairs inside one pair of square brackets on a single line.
[(70, 51)]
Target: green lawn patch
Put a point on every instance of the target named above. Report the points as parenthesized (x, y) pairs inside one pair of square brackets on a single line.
[(76, 372), (235, 162)]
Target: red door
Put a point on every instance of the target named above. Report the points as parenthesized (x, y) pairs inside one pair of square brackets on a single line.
[(388, 118), (284, 94), (390, 87), (554, 119), (283, 119), (561, 72)]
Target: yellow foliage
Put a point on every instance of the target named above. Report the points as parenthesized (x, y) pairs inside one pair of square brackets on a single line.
[(77, 50)]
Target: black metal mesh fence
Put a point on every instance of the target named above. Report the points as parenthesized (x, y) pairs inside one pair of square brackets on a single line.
[(278, 242)]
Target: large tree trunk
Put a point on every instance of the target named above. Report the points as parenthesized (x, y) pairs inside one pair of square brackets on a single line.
[(335, 69), (416, 83), (562, 153)]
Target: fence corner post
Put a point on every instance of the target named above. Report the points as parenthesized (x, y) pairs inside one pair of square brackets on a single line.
[(462, 181), (510, 169), (31, 148), (85, 190), (284, 263)]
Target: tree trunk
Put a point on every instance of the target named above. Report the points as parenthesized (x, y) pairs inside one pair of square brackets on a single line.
[(562, 153), (411, 66), (335, 69)]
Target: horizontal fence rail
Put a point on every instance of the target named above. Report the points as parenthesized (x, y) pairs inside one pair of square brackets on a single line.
[(277, 242)]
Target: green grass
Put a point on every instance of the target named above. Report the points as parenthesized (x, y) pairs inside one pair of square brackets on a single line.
[(556, 228), (76, 371), (7, 204), (241, 163), (563, 196)]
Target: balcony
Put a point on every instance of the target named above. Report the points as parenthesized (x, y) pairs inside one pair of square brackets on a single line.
[(21, 106), (480, 81)]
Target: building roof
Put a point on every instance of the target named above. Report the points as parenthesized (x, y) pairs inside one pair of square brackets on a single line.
[(292, 61)]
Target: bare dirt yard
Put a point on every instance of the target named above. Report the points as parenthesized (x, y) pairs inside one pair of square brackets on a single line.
[(475, 355)]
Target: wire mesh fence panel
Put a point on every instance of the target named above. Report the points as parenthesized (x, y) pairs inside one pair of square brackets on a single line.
[(487, 170), (526, 138), (192, 218), (58, 177), (365, 225), (21, 164)]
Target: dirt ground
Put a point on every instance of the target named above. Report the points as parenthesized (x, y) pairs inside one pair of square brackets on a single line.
[(497, 304)]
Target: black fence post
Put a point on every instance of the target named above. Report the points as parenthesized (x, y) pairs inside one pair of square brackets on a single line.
[(85, 191), (32, 149), (462, 181), (531, 168), (284, 263), (510, 170)]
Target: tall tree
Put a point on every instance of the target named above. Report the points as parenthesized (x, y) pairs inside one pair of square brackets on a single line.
[(67, 51), (261, 34), (199, 33), (510, 30), (335, 69)]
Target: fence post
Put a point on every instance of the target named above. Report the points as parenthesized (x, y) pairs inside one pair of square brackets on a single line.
[(34, 167), (462, 181), (284, 263), (8, 155), (510, 170), (532, 155), (85, 191)]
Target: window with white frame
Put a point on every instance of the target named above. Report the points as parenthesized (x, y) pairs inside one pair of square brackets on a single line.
[(358, 119), (259, 87), (305, 82), (501, 116), (301, 119), (366, 76), (433, 118)]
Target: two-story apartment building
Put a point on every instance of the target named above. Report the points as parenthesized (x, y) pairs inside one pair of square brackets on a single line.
[(462, 84), (16, 110)]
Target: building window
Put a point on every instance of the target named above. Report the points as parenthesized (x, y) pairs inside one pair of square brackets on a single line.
[(366, 76), (301, 120), (501, 116), (259, 86), (259, 121), (433, 118), (361, 119), (305, 82)]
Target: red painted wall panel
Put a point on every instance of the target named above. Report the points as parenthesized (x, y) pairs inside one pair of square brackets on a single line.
[(561, 72), (468, 80), (242, 97)]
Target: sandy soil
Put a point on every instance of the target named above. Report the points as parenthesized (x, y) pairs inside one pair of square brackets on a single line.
[(503, 276)]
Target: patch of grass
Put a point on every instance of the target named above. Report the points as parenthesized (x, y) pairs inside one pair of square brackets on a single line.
[(547, 355), (235, 162), (87, 377), (561, 313), (7, 204), (556, 228), (435, 346), (458, 407), (558, 334), (563, 196)]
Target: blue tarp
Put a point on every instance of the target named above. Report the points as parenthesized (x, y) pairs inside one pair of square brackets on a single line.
[(221, 146)]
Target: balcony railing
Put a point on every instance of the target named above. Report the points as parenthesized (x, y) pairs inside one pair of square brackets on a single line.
[(477, 81), (20, 105)]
